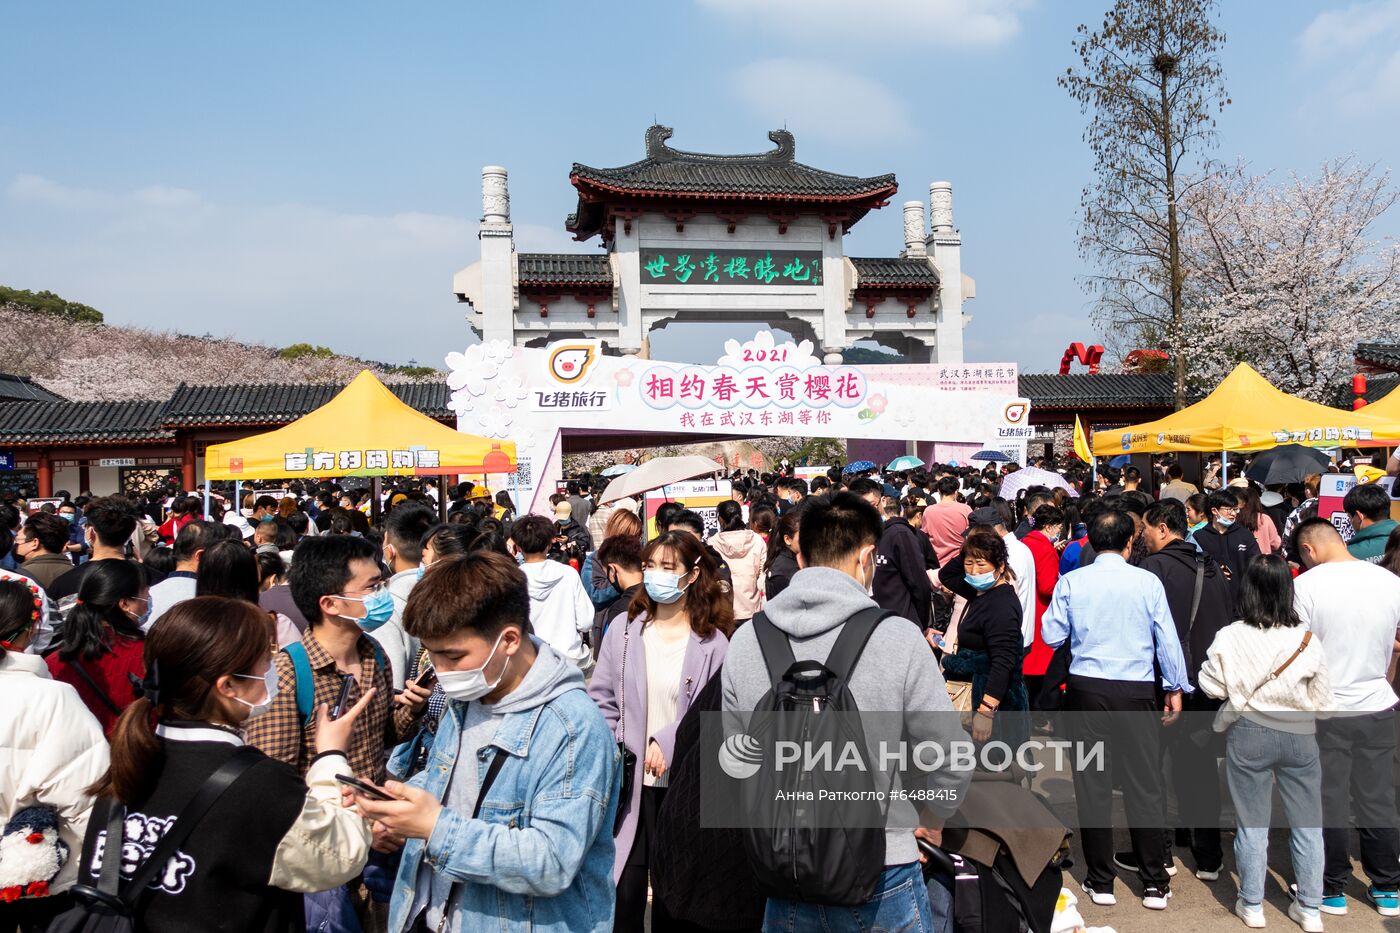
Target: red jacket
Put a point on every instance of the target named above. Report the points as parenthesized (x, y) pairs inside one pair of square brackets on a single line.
[(110, 672), (1047, 574)]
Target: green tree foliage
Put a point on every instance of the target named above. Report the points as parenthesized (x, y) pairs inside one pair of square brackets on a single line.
[(301, 351), (49, 303)]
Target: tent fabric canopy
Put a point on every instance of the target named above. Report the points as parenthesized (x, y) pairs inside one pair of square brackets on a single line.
[(1387, 408), (364, 431), (1245, 412)]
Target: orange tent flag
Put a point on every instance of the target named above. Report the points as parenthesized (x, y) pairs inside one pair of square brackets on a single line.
[(1081, 442)]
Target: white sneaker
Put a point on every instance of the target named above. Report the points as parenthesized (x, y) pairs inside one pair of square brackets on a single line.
[(1253, 917), (1309, 920), (1156, 898), (1204, 875), (1101, 898)]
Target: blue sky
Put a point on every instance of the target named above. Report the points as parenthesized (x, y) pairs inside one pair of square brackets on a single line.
[(311, 172)]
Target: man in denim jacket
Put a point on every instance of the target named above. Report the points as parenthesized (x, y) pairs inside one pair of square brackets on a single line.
[(534, 847)]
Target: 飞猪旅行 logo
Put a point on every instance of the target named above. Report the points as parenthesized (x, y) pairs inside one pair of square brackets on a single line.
[(740, 756), (569, 363)]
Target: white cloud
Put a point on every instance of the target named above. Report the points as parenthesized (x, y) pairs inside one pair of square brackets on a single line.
[(820, 99), (1360, 46), (1334, 33), (373, 285), (917, 22)]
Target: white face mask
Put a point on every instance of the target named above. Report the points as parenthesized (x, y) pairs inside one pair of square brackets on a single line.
[(269, 682), (472, 684), (869, 584)]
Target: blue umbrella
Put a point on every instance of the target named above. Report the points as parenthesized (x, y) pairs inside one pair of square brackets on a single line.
[(860, 466), (619, 469), (992, 456), (1120, 461), (905, 463)]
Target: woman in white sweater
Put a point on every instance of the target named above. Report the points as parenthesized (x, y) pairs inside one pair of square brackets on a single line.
[(1273, 676)]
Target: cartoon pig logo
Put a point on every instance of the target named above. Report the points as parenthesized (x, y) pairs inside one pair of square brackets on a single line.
[(570, 363)]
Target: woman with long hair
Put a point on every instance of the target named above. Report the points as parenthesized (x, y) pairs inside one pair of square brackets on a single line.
[(653, 662), (1273, 676), (985, 645), (1253, 516), (745, 551), (209, 670), (53, 750), (782, 552), (229, 569), (102, 636)]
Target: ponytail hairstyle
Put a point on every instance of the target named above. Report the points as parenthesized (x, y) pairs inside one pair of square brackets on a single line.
[(707, 602), (98, 611), (197, 642)]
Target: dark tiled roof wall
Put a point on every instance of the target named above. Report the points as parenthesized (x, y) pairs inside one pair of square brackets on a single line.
[(1386, 355), (86, 421), (22, 388), (281, 404), (1051, 390)]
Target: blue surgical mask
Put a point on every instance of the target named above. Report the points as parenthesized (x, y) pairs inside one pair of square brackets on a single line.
[(1224, 522), (67, 516), (379, 608), (418, 575), (663, 587), (981, 581)]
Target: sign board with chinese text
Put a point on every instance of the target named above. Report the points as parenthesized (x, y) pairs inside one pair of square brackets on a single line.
[(700, 496), (1333, 490), (36, 504), (709, 267), (758, 388), (7, 460), (117, 462)]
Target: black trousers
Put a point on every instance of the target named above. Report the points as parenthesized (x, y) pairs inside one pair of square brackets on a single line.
[(630, 916), (1114, 713), (1358, 778), (1195, 776)]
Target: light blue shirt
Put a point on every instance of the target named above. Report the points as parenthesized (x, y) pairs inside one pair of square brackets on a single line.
[(1113, 614)]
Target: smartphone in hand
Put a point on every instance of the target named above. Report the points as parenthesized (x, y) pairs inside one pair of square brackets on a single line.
[(342, 702), (364, 788), (427, 678)]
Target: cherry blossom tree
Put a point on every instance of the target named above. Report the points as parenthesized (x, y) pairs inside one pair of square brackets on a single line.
[(96, 362), (1288, 277)]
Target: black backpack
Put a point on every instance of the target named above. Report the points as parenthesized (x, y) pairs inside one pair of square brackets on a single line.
[(800, 847), (113, 905)]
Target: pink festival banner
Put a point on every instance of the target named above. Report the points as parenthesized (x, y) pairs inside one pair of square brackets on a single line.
[(758, 388)]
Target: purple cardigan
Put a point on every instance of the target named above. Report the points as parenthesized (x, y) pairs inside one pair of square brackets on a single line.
[(703, 656)]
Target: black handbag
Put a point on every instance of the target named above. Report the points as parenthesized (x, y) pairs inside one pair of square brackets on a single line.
[(629, 757), (110, 906)]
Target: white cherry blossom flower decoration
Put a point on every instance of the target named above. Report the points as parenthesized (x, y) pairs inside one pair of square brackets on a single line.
[(495, 421), (510, 389)]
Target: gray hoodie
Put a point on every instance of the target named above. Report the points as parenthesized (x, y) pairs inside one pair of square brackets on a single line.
[(897, 672), (550, 676)]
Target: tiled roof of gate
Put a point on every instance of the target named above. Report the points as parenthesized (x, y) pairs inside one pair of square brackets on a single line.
[(894, 271), (776, 172), (565, 269), (23, 389), (1382, 355)]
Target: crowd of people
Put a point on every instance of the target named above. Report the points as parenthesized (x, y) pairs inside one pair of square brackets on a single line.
[(289, 715)]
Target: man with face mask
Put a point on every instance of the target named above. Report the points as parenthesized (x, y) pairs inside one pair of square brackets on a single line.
[(510, 823), (1229, 544), (337, 583)]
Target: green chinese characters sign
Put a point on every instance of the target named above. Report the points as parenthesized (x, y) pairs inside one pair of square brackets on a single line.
[(731, 267)]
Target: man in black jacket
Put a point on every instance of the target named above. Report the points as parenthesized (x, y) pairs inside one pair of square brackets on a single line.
[(1177, 563), (1229, 544), (901, 584), (620, 558)]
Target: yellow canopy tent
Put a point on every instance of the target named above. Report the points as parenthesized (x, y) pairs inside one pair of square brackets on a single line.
[(364, 431), (1386, 408), (1245, 412)]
